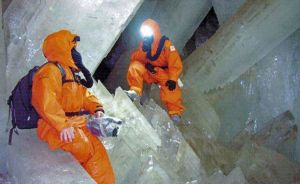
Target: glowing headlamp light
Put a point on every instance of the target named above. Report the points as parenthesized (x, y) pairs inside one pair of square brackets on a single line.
[(146, 31)]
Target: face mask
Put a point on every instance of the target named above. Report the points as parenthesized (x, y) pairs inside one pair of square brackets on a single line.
[(147, 43), (76, 57), (88, 81)]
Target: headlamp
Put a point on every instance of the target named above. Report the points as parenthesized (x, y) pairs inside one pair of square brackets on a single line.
[(146, 31)]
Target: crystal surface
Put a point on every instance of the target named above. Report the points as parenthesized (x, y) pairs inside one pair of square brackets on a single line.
[(2, 61), (212, 154), (266, 90), (236, 176), (152, 148), (200, 115), (29, 160), (241, 43), (279, 134), (225, 9), (262, 165), (3, 106)]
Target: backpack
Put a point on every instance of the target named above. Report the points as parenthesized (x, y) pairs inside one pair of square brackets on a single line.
[(23, 114)]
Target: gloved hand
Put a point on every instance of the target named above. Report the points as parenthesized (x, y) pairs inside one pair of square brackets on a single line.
[(171, 85), (78, 62), (150, 68)]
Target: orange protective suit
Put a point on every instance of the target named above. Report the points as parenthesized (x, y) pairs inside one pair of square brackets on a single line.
[(52, 98), (168, 66)]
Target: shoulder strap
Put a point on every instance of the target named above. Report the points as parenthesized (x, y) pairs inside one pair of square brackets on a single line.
[(159, 49), (61, 69), (62, 72)]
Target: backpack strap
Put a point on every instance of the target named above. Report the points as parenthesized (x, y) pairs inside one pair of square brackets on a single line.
[(62, 72), (14, 125), (61, 69), (9, 102), (9, 111), (11, 131)]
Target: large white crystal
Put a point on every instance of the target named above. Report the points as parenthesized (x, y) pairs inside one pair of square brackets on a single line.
[(261, 165), (2, 61), (199, 113), (226, 8), (212, 154), (30, 161), (279, 134), (236, 176), (175, 155), (255, 30), (136, 140), (148, 148), (137, 127), (3, 107), (266, 90)]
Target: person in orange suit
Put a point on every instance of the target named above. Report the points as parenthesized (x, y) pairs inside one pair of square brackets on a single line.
[(156, 60), (61, 106)]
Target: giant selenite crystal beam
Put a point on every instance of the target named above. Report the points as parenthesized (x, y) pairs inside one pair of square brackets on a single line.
[(267, 89), (31, 161), (2, 58), (3, 106), (252, 33), (150, 151), (99, 24), (136, 137), (226, 8)]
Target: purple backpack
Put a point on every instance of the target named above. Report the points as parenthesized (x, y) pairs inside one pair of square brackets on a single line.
[(23, 114)]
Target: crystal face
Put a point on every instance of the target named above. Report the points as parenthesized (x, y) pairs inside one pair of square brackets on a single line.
[(241, 43)]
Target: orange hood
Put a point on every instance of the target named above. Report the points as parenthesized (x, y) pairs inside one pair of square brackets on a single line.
[(57, 48), (156, 33)]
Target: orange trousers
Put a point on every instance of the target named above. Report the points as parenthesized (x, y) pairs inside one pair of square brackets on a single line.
[(91, 154), (137, 74)]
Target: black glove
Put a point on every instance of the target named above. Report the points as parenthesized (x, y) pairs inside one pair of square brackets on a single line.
[(78, 62), (150, 68), (171, 85)]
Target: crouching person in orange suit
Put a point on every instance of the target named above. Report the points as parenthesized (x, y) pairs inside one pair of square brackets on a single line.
[(61, 103), (156, 60)]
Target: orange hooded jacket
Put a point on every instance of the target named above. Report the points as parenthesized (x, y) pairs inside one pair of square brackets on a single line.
[(51, 98), (169, 56), (168, 66)]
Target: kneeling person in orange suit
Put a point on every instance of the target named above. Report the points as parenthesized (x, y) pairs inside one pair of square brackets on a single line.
[(60, 105), (156, 61)]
